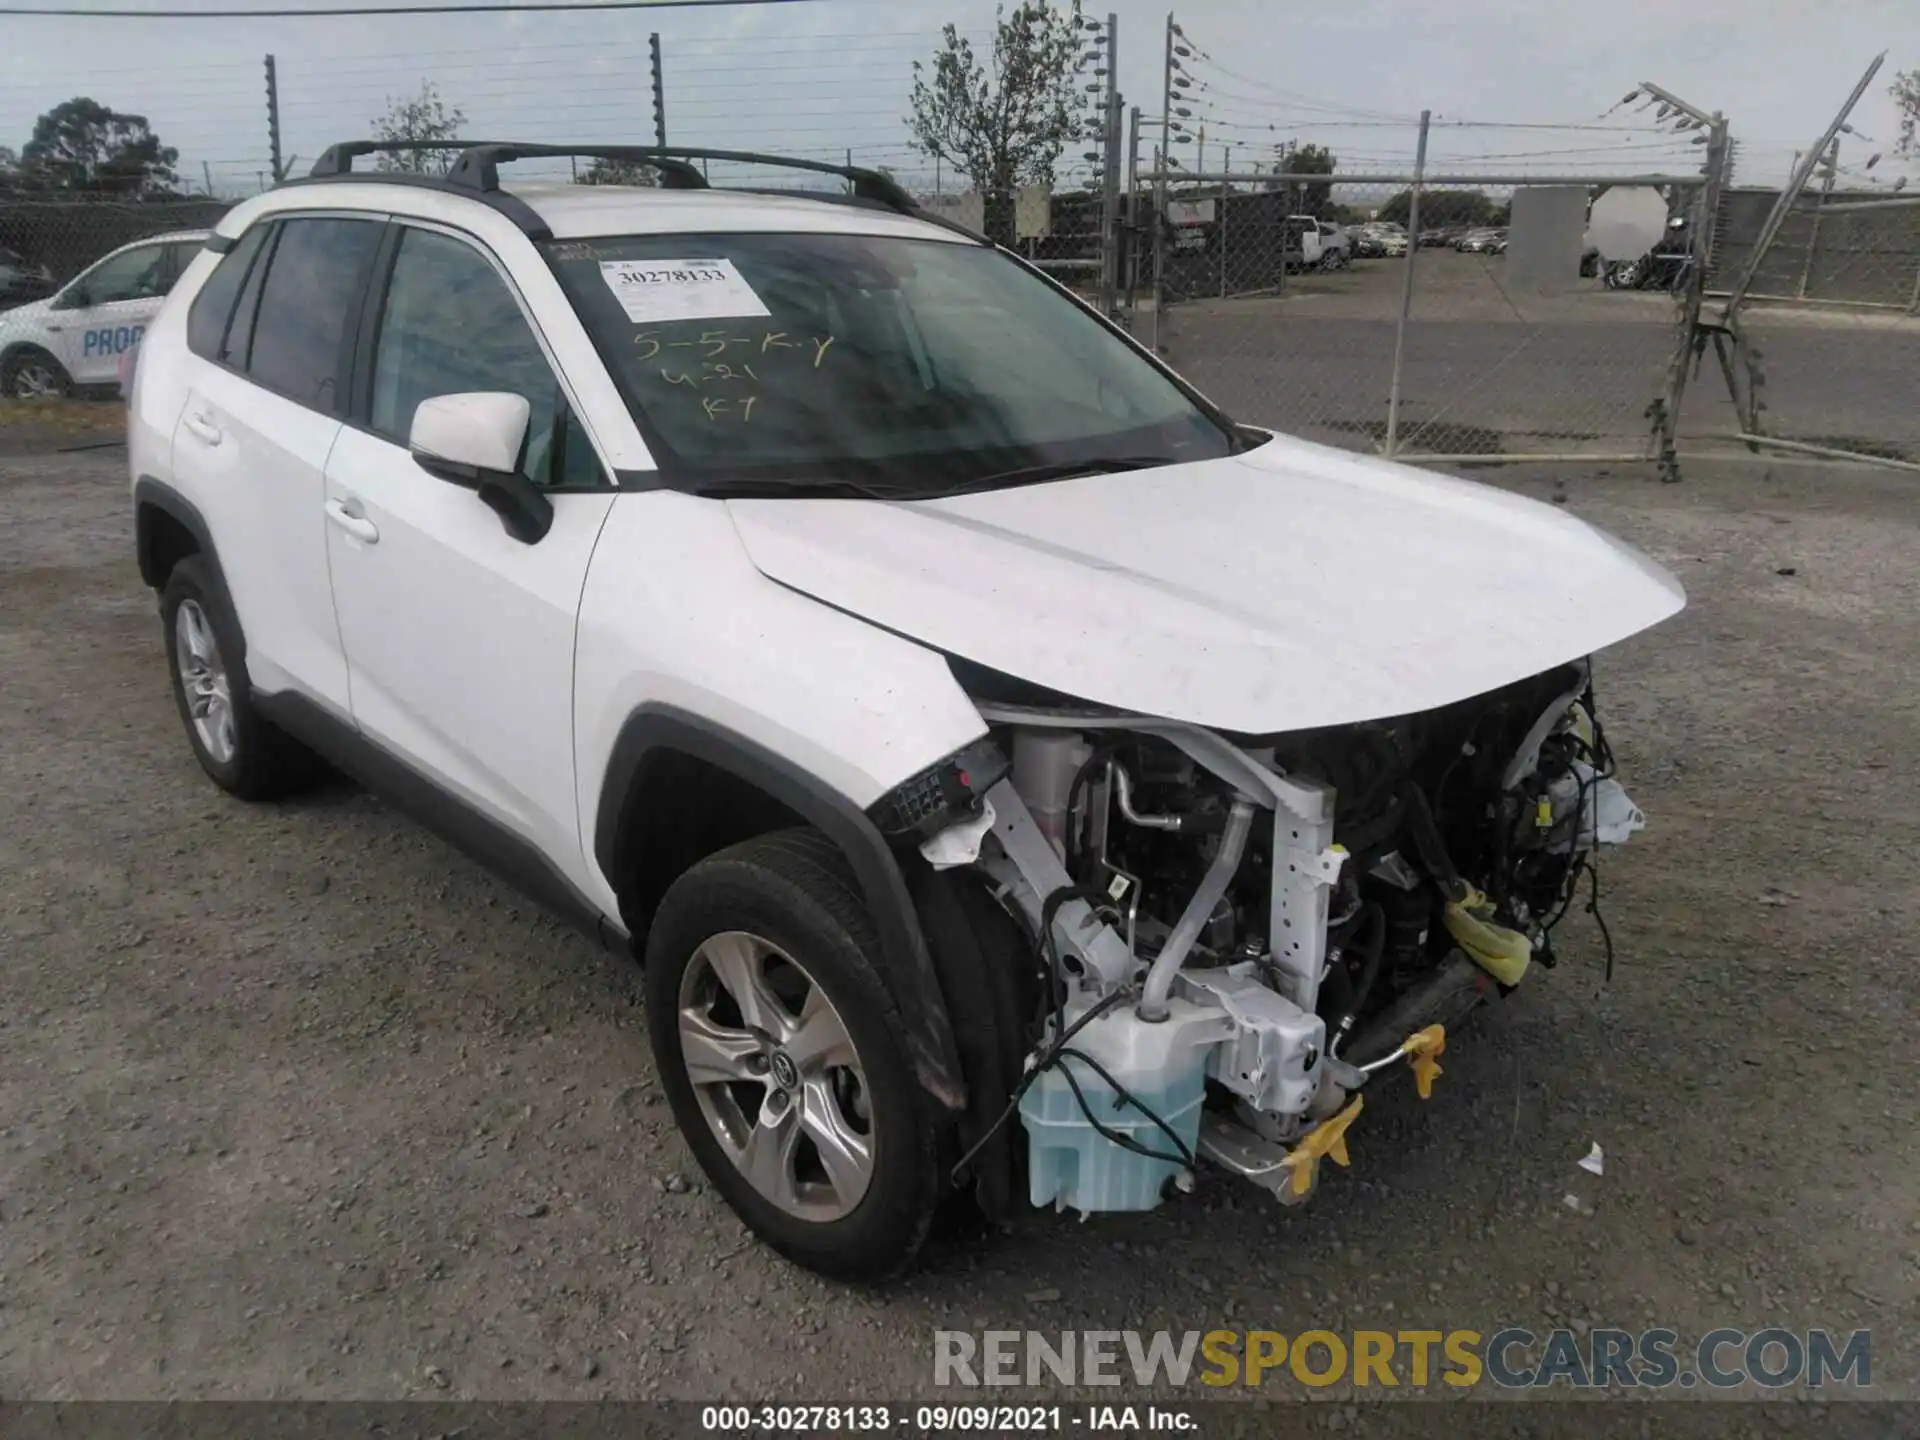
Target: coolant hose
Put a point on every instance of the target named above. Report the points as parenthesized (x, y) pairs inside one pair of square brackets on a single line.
[(1233, 843), (1371, 938)]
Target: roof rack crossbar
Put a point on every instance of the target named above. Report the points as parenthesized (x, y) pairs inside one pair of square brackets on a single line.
[(476, 167)]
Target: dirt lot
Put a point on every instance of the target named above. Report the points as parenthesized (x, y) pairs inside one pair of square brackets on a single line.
[(296, 1103)]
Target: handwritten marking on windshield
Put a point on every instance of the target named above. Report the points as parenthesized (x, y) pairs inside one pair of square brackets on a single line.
[(820, 349)]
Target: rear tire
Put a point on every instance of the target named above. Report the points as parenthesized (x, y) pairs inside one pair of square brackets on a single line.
[(30, 373), (241, 751), (779, 1049)]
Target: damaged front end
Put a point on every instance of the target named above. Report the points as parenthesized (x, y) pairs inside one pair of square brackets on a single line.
[(1237, 934)]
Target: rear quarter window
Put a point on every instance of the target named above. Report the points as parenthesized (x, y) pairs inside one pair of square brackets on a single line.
[(212, 308)]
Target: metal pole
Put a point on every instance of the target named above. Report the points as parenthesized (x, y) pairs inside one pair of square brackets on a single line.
[(1795, 185), (659, 90), (1221, 228), (1813, 231), (1406, 284), (273, 122), (1913, 305), (1666, 431), (1163, 151), (1110, 176), (1133, 209)]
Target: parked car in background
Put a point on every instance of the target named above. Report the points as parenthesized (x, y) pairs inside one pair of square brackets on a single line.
[(21, 283), (1482, 242), (1441, 235), (1336, 246), (1380, 238), (74, 338)]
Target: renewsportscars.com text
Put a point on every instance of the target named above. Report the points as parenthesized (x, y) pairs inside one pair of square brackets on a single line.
[(1513, 1358)]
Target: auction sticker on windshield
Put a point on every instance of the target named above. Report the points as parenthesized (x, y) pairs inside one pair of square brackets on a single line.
[(650, 290)]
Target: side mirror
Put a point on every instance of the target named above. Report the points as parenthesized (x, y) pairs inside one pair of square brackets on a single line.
[(475, 440)]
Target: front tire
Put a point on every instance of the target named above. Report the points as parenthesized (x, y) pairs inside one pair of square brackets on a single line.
[(778, 1048), (30, 373), (241, 751)]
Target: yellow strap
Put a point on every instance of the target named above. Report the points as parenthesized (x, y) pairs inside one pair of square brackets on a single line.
[(1423, 1049), (1326, 1140)]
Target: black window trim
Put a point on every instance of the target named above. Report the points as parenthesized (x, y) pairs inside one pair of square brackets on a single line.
[(256, 276), (263, 228), (279, 219), (367, 323)]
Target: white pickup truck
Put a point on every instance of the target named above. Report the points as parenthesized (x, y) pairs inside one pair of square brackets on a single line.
[(1305, 246)]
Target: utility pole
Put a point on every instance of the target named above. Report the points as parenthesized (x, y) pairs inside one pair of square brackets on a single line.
[(273, 122), (1110, 180), (659, 91), (1160, 185), (1133, 208)]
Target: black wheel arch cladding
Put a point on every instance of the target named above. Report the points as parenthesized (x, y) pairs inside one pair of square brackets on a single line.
[(653, 731), (152, 499)]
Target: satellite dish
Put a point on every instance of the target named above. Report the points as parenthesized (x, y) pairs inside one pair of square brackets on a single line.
[(1627, 221)]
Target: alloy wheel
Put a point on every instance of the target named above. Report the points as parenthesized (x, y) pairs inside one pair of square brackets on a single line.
[(203, 677), (35, 380), (776, 1076)]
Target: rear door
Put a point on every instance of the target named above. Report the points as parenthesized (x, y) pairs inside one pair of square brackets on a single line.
[(459, 638), (103, 312), (261, 418)]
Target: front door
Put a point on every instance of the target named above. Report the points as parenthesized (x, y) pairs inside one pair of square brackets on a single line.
[(103, 312), (459, 638)]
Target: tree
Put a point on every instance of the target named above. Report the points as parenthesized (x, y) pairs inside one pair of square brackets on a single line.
[(9, 167), (423, 118), (1003, 123), (618, 172), (1906, 101), (1310, 199), (81, 145)]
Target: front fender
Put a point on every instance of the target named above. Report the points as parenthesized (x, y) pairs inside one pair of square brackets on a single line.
[(909, 971)]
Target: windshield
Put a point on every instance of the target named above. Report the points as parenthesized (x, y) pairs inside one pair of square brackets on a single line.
[(771, 364)]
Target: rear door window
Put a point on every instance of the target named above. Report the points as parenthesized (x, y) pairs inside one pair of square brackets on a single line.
[(314, 284)]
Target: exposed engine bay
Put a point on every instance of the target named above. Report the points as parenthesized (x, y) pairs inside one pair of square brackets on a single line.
[(1237, 934)]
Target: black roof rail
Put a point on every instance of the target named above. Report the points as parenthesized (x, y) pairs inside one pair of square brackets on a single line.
[(477, 166), (475, 171), (338, 159)]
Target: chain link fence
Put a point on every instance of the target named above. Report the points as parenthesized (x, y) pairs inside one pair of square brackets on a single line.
[(1822, 352), (45, 243), (1308, 304)]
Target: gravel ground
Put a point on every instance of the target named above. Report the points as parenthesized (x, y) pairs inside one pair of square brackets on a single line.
[(294, 1102)]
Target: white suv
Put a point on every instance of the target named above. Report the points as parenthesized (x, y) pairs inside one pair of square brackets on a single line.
[(78, 337), (1019, 779)]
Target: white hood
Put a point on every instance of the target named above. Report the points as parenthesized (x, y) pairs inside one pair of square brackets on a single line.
[(1290, 587)]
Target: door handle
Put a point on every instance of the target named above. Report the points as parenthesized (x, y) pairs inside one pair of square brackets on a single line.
[(358, 526), (203, 427), (55, 329)]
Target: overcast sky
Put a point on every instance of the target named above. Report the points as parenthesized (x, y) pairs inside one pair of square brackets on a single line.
[(824, 77)]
